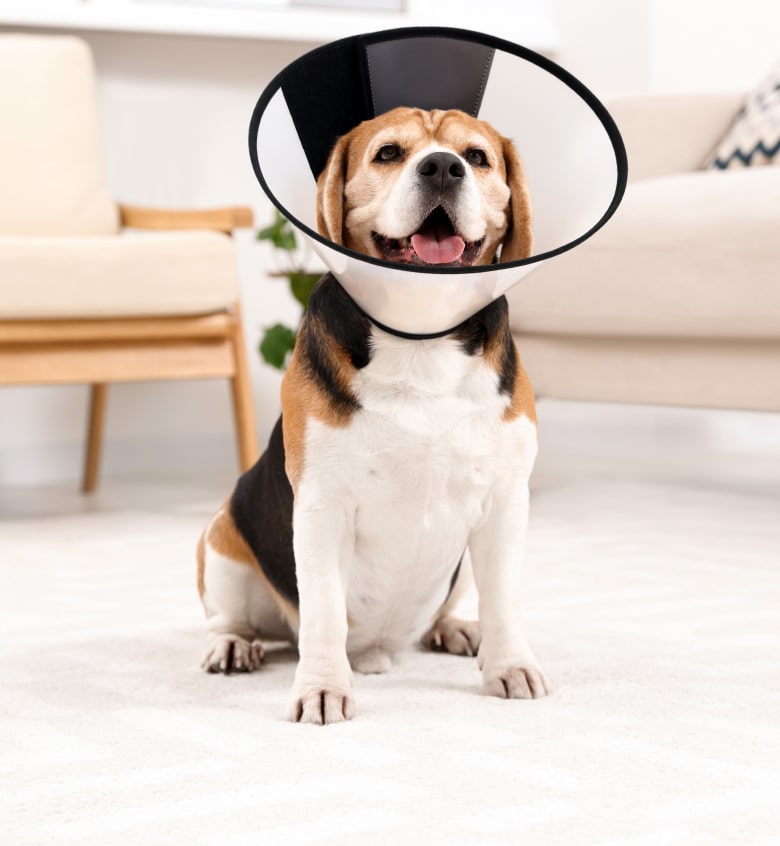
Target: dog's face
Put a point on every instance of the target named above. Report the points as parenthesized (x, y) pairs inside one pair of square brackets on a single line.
[(427, 188)]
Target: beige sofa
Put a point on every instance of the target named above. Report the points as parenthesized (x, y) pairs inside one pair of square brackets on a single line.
[(677, 299)]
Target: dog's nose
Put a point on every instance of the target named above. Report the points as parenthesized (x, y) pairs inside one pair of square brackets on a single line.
[(441, 170)]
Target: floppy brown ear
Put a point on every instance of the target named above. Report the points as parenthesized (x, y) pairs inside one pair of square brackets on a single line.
[(519, 239), (330, 193)]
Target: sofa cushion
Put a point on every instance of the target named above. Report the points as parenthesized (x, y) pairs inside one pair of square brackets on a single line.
[(689, 255), (754, 137), (134, 274), (51, 168), (653, 149)]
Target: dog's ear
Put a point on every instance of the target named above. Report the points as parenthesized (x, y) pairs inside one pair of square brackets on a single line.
[(330, 193), (518, 240)]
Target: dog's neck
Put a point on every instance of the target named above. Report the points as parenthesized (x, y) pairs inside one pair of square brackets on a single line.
[(343, 318)]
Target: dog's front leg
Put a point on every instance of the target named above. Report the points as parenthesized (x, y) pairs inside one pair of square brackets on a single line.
[(322, 691), (509, 668)]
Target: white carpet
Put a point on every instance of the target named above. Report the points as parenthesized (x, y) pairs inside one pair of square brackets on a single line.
[(652, 603)]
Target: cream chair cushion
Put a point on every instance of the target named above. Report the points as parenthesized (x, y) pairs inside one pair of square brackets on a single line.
[(52, 179), (131, 275)]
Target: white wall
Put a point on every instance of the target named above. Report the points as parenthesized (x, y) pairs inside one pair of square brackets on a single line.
[(710, 45), (175, 112), (622, 46), (604, 43)]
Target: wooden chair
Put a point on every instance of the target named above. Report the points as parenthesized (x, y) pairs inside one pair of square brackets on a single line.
[(91, 291)]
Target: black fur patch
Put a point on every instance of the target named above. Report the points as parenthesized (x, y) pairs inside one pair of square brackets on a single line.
[(485, 329), (332, 317), (333, 308), (262, 507)]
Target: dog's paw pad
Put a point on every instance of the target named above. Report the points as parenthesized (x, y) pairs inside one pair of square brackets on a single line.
[(516, 682), (322, 707), (233, 654), (458, 637)]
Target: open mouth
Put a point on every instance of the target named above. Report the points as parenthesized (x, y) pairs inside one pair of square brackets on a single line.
[(435, 242)]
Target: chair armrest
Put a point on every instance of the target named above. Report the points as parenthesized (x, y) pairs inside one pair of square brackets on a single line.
[(222, 220), (672, 133)]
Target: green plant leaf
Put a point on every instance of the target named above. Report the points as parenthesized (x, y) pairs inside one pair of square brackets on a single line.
[(286, 240), (280, 233), (267, 234), (301, 285), (271, 231), (277, 344)]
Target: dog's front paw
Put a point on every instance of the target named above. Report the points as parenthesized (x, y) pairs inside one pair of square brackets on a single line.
[(322, 706), (231, 653), (514, 680), (322, 698)]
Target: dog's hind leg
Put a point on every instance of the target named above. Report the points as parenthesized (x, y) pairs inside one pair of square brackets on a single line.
[(453, 635), (448, 632), (376, 660), (240, 606)]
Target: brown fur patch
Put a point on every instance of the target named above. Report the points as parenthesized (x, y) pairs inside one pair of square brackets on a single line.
[(330, 196), (523, 401), (298, 397), (518, 239), (201, 557), (225, 539), (498, 350), (304, 396)]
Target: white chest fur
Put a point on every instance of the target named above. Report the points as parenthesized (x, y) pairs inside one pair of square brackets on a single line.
[(414, 472)]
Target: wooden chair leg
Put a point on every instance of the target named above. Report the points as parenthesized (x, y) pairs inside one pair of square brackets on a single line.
[(243, 405), (97, 413)]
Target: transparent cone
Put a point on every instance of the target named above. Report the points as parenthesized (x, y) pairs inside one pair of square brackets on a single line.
[(575, 162)]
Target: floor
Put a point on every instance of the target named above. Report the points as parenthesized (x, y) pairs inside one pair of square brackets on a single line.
[(653, 579)]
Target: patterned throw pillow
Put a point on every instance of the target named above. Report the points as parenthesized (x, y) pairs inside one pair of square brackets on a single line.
[(754, 137)]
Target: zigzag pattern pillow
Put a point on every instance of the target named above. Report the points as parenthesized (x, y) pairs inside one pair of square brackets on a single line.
[(754, 137)]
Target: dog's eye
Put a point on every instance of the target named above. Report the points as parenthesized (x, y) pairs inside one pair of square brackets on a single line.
[(476, 157), (389, 153)]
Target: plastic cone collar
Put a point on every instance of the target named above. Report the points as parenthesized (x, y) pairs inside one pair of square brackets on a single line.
[(574, 158)]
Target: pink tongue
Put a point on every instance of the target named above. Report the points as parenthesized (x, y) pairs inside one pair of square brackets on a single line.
[(435, 247)]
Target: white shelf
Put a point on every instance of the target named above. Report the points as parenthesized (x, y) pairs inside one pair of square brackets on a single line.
[(521, 20)]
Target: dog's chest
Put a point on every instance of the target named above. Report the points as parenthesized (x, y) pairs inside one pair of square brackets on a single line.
[(429, 430), (416, 469)]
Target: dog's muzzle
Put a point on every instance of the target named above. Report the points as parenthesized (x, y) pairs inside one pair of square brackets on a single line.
[(440, 177)]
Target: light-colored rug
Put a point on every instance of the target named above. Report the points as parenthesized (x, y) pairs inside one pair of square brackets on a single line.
[(652, 604)]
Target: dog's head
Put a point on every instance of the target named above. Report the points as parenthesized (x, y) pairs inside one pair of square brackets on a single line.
[(427, 188)]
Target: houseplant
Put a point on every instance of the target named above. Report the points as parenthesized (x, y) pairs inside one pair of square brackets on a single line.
[(278, 340)]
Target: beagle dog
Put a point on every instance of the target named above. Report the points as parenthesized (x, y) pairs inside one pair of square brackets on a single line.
[(399, 467)]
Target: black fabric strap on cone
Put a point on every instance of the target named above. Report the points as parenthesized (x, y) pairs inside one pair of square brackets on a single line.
[(428, 73)]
